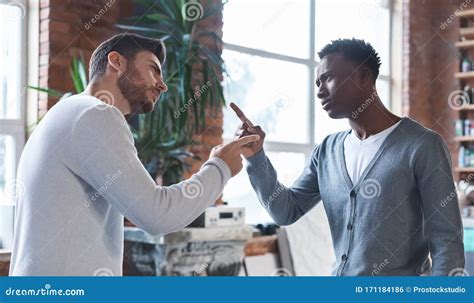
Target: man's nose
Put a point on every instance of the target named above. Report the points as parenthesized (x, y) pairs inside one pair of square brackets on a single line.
[(162, 86), (322, 92)]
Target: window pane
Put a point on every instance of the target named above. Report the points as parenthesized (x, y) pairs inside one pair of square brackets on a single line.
[(271, 25), (7, 170), (383, 90), (6, 226), (273, 94), (239, 192), (324, 125), (363, 19), (10, 64)]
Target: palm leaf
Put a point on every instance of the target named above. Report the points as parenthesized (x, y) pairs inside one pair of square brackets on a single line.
[(49, 91)]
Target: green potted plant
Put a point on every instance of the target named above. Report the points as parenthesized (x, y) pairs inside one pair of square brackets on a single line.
[(163, 136)]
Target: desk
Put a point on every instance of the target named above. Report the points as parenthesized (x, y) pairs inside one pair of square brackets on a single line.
[(215, 251)]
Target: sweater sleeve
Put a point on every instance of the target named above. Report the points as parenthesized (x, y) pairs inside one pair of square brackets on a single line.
[(103, 155), (285, 205), (442, 218)]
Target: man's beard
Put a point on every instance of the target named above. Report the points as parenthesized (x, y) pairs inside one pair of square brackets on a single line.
[(135, 93)]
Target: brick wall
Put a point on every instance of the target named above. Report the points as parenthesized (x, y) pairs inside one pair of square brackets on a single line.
[(67, 29), (430, 61), (211, 135)]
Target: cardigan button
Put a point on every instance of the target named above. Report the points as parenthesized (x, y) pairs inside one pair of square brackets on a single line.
[(344, 257), (349, 226), (353, 194)]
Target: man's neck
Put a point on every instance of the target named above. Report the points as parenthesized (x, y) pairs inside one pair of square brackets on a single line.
[(373, 120), (107, 93)]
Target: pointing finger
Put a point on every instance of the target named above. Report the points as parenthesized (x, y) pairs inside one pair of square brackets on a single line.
[(241, 114), (246, 140)]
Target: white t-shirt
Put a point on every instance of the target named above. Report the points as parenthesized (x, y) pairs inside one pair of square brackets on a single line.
[(358, 153)]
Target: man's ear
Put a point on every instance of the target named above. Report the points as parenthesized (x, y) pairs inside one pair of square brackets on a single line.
[(117, 62), (365, 75)]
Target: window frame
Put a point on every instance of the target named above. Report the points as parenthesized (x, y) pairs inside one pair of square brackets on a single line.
[(16, 128)]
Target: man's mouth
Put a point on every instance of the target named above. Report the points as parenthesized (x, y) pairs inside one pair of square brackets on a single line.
[(156, 95), (325, 101)]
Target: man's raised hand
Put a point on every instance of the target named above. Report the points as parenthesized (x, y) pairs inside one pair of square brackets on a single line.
[(231, 152), (246, 128)]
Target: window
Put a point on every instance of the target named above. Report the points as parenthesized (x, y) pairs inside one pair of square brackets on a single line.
[(271, 55), (12, 118)]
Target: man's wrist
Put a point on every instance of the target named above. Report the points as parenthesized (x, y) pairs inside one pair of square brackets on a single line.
[(221, 165), (256, 160)]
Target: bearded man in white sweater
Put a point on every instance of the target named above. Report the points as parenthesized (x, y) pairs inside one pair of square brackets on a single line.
[(81, 172)]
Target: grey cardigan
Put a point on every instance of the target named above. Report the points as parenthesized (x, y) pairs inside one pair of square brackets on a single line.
[(403, 207)]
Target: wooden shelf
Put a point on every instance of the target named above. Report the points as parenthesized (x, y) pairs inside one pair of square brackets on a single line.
[(465, 108), (465, 75), (466, 32), (464, 138), (466, 13), (5, 255), (464, 44), (464, 169)]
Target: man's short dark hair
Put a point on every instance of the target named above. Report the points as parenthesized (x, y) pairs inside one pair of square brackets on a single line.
[(128, 45), (358, 51)]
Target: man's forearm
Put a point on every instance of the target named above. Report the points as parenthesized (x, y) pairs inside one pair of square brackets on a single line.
[(281, 202)]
